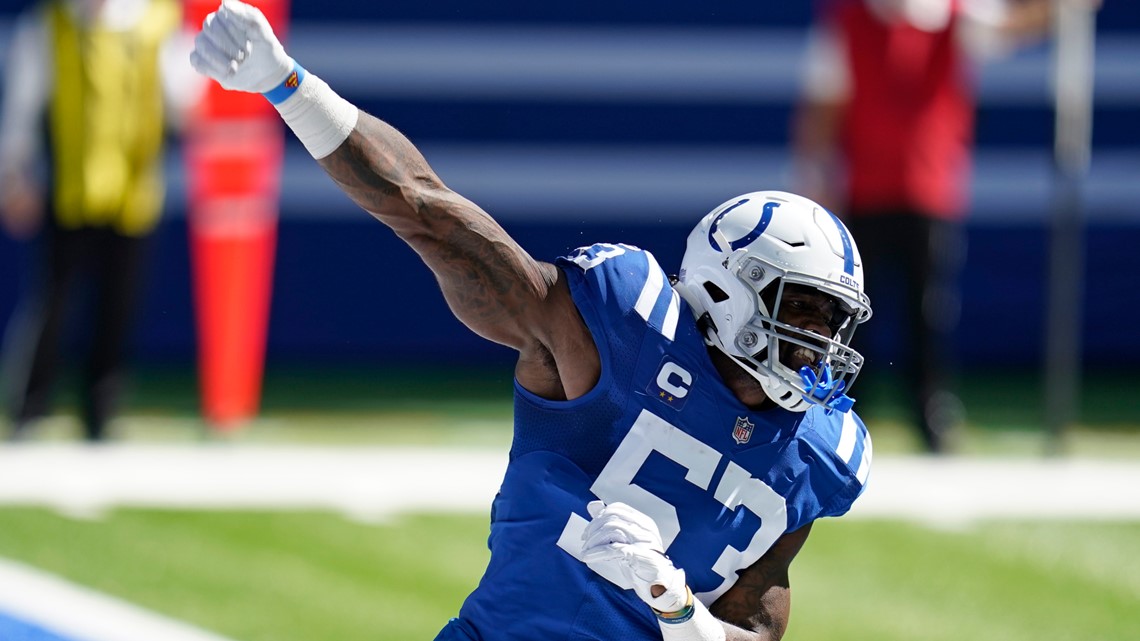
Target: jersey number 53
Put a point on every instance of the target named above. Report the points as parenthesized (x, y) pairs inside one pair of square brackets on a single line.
[(735, 488)]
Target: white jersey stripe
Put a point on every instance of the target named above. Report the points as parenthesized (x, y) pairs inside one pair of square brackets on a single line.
[(669, 327), (846, 446), (651, 291), (653, 295), (865, 464)]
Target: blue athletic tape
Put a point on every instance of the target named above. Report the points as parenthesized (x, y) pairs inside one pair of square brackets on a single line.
[(288, 86)]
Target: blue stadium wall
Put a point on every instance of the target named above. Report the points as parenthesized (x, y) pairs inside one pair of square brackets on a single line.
[(575, 123)]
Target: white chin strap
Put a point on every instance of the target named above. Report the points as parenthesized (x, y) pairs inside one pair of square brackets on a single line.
[(774, 386)]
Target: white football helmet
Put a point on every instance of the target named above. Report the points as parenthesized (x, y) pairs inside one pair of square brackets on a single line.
[(737, 263)]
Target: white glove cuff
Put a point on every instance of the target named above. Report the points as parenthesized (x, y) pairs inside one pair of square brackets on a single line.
[(700, 626), (320, 118)]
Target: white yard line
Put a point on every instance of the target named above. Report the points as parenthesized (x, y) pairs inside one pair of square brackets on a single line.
[(959, 490), (363, 482), (65, 610), (373, 482)]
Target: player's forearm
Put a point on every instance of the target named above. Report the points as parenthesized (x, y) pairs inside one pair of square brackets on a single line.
[(760, 602), (372, 162), (491, 284), (487, 279), (380, 169), (697, 623), (759, 624), (760, 633)]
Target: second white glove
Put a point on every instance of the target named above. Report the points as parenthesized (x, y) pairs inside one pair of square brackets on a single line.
[(237, 48), (629, 542)]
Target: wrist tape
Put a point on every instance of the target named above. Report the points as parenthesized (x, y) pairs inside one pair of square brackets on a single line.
[(320, 118), (288, 86)]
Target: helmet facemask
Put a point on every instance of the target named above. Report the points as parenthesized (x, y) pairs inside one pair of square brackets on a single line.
[(741, 263), (787, 360)]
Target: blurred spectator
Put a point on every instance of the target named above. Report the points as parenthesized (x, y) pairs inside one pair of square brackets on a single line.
[(88, 80), (883, 136)]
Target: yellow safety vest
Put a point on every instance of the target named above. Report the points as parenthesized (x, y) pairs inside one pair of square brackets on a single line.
[(106, 119)]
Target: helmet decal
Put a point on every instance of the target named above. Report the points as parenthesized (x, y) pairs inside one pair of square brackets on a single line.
[(845, 238), (765, 220), (733, 277)]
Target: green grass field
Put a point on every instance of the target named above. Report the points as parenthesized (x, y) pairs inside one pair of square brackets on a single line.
[(301, 576), (285, 576)]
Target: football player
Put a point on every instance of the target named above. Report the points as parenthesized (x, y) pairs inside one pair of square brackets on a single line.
[(674, 440)]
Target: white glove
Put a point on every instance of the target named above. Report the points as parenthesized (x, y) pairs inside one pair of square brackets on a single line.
[(237, 48), (629, 542)]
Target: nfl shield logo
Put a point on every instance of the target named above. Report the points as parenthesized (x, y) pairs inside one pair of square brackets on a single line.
[(743, 430)]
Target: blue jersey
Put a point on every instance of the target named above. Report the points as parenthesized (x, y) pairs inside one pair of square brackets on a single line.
[(663, 433)]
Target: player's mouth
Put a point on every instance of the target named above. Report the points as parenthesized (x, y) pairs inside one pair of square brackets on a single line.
[(798, 356)]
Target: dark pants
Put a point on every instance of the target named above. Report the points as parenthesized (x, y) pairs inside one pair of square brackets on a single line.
[(95, 270), (918, 259)]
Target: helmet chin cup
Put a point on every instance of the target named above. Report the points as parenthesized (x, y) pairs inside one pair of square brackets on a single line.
[(738, 261), (824, 388)]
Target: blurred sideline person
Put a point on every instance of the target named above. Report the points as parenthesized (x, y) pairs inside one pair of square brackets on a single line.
[(87, 79), (884, 134), (708, 420)]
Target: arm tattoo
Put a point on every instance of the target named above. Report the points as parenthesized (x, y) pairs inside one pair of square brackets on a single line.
[(480, 277), (372, 163)]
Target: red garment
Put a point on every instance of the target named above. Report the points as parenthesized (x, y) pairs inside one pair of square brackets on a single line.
[(908, 125)]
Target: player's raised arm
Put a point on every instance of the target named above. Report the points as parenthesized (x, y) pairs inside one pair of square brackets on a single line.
[(491, 283)]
